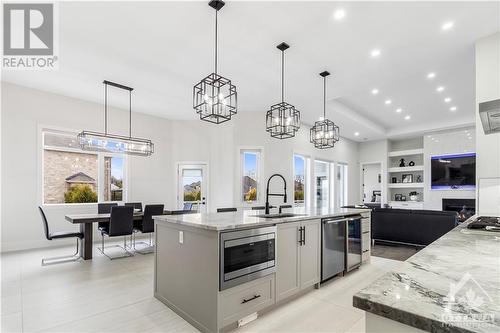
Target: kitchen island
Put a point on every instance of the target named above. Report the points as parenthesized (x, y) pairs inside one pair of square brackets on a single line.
[(453, 285), (219, 270)]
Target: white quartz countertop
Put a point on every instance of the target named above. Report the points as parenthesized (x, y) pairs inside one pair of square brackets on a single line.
[(247, 218), (453, 285)]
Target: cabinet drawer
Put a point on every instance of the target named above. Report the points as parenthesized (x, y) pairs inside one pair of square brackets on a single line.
[(240, 301), (365, 256), (365, 242), (365, 225)]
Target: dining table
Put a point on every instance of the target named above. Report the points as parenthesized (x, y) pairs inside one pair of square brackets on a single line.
[(86, 222)]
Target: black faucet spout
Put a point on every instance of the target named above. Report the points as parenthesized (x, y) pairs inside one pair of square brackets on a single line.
[(275, 194)]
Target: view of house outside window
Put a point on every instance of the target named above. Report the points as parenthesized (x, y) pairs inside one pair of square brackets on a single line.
[(71, 175), (299, 167), (250, 176)]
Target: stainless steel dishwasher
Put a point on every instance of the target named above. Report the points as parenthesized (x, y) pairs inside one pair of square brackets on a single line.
[(333, 243)]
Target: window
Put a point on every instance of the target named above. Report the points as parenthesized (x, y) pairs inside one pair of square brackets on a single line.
[(322, 182), (341, 184), (250, 175), (299, 180), (191, 184), (71, 175)]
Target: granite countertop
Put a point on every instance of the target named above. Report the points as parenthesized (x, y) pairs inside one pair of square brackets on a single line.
[(453, 285), (247, 218)]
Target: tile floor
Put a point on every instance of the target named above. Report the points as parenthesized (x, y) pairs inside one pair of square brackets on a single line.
[(117, 296)]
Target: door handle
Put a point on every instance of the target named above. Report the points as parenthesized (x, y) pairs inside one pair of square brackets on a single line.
[(300, 235), (250, 299)]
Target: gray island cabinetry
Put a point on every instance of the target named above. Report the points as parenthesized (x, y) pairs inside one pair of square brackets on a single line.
[(216, 269)]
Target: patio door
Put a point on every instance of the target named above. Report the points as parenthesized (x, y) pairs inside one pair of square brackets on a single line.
[(192, 186)]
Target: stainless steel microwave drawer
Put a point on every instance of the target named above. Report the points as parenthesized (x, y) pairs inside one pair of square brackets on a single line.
[(242, 300)]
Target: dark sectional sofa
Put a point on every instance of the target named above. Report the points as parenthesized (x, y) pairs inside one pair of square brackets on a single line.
[(416, 227)]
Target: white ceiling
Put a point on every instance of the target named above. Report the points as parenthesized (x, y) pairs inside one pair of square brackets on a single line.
[(163, 48)]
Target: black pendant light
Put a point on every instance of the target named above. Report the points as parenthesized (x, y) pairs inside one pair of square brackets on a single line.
[(324, 133), (112, 143), (283, 119), (215, 97)]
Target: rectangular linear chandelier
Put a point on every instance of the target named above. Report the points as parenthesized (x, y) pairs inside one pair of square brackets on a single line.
[(112, 143)]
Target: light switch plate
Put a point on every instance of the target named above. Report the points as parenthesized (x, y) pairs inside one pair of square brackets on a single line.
[(181, 237)]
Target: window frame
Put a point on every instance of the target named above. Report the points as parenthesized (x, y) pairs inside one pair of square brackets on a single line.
[(260, 168), (338, 195), (42, 129), (331, 182)]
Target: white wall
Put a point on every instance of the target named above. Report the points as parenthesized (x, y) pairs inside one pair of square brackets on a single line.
[(445, 143), (488, 146), (151, 179), (375, 151)]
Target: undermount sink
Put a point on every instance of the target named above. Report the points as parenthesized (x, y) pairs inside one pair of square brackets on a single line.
[(277, 216)]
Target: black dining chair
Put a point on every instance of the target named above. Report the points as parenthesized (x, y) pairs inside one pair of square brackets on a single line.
[(104, 208), (148, 226), (121, 223), (136, 205), (59, 235), (226, 210)]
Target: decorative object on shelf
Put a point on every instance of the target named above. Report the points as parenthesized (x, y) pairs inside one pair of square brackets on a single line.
[(407, 178), (324, 133), (283, 119), (379, 178), (413, 196), (403, 198), (402, 163), (112, 143), (215, 97), (394, 180), (411, 163), (419, 179), (397, 197), (376, 196)]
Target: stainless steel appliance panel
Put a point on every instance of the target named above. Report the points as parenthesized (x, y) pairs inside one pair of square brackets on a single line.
[(333, 243)]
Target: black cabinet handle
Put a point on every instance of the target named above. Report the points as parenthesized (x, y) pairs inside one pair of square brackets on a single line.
[(250, 299), (365, 251), (365, 232), (300, 235), (304, 236)]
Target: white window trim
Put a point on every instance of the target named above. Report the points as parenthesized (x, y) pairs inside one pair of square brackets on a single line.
[(100, 170), (260, 176), (331, 181), (346, 181)]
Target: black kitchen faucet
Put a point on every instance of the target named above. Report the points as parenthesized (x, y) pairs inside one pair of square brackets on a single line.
[(275, 194)]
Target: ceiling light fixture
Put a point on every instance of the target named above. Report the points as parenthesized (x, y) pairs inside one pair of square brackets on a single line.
[(431, 75), (399, 110), (440, 89), (105, 142), (375, 53), (447, 25), (356, 133), (407, 117), (339, 14), (215, 97), (324, 133), (283, 119), (453, 108), (374, 91), (388, 102), (447, 100)]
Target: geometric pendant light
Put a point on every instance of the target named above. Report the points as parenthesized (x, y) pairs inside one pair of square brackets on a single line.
[(215, 97), (112, 143), (324, 133), (283, 119)]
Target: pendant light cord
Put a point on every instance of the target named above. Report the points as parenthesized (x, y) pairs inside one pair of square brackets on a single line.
[(106, 108), (216, 11), (282, 76), (324, 97), (130, 113)]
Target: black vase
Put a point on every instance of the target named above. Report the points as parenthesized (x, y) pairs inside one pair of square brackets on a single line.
[(402, 163)]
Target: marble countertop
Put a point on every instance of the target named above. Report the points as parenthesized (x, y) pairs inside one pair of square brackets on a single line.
[(452, 285), (247, 218)]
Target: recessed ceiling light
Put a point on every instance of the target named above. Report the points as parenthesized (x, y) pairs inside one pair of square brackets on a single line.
[(447, 25), (453, 108), (429, 136), (407, 117), (398, 110), (440, 89), (339, 14), (375, 53), (356, 133), (374, 91), (447, 100), (431, 75), (388, 102)]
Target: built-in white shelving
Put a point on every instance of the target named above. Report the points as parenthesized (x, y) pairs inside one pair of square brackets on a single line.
[(407, 169), (406, 185), (408, 152)]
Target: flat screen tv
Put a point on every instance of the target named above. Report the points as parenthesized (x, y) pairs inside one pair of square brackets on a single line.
[(453, 171)]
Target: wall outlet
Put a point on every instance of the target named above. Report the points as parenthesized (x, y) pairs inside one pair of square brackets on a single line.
[(181, 237)]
